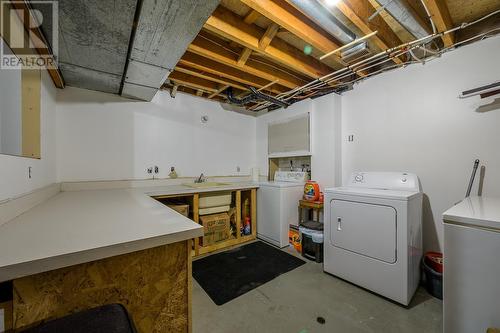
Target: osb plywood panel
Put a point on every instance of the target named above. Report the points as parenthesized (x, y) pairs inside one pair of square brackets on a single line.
[(468, 10), (152, 284)]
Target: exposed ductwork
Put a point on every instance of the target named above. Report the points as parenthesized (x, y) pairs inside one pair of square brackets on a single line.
[(315, 11), (398, 10), (165, 28), (254, 96)]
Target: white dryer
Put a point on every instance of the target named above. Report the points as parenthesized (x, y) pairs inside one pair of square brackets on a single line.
[(277, 206), (373, 233)]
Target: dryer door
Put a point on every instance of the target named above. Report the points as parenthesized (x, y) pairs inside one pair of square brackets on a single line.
[(365, 229)]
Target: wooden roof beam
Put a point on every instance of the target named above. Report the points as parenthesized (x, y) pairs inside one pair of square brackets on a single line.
[(268, 36), (193, 82), (251, 17), (229, 25), (244, 55), (440, 15), (358, 12), (195, 61), (221, 89), (208, 76), (297, 23), (207, 49)]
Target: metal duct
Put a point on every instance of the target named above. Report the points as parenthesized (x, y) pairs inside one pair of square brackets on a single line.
[(254, 95), (165, 28), (402, 14), (315, 11), (355, 52)]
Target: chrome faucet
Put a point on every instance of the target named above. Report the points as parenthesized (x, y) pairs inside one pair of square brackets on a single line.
[(200, 179)]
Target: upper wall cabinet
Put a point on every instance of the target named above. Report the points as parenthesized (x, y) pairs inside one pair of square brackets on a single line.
[(291, 137)]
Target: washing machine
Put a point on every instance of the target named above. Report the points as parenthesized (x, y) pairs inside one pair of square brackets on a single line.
[(277, 206), (373, 233)]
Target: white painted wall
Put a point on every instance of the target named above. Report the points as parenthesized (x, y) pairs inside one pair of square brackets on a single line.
[(412, 120), (14, 170), (325, 128), (105, 137)]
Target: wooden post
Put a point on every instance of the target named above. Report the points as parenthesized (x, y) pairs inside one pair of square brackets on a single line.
[(196, 218), (253, 204), (238, 214), (190, 287)]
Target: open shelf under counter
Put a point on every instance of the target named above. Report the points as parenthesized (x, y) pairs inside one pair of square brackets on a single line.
[(241, 198)]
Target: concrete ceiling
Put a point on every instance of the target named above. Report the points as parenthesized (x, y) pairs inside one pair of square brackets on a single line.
[(95, 37)]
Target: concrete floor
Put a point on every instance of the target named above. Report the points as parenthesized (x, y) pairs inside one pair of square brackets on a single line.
[(293, 301)]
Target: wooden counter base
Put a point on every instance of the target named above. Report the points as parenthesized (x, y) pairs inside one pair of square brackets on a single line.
[(154, 285)]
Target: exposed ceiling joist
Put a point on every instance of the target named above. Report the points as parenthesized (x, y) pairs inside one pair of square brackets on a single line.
[(251, 17), (221, 89), (193, 82), (215, 52), (268, 36), (245, 54), (440, 15), (229, 25), (209, 66), (209, 76), (297, 23), (358, 12)]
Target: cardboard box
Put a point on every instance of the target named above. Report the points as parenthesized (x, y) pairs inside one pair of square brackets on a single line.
[(215, 227), (180, 208)]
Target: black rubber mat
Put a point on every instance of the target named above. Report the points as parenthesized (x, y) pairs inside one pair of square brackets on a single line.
[(227, 275)]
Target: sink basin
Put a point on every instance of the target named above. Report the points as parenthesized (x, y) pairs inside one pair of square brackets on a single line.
[(205, 184)]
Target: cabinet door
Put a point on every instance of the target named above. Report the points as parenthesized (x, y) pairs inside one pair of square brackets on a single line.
[(290, 136), (363, 228)]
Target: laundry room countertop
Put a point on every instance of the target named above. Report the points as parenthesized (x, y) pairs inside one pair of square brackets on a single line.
[(75, 227), (475, 211)]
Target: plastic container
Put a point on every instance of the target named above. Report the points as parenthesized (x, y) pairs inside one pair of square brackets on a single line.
[(433, 280), (311, 191), (312, 244)]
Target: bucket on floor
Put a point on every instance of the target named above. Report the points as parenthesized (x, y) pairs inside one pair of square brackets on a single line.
[(433, 279), (435, 261)]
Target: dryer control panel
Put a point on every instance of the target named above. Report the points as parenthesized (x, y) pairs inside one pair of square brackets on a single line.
[(402, 181)]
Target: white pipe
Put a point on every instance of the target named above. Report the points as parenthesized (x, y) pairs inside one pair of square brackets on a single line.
[(326, 79), (348, 45), (429, 16)]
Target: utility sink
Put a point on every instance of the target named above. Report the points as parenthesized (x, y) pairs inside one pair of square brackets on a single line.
[(205, 184)]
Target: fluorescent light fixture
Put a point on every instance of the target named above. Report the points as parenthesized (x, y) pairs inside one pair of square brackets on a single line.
[(332, 2)]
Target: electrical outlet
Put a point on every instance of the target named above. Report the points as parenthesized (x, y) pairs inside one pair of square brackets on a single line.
[(149, 170), (238, 169), (350, 138)]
